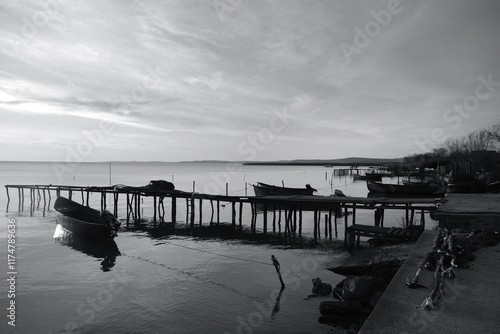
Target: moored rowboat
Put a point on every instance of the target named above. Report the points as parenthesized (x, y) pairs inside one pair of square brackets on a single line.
[(415, 189), (263, 189), (85, 222)]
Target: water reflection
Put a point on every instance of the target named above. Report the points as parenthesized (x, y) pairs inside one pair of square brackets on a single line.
[(104, 249), (276, 307)]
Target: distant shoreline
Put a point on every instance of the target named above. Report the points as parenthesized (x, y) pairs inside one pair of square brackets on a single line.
[(332, 162), (354, 161)]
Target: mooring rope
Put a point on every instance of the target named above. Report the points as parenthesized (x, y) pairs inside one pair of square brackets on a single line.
[(190, 274), (222, 255)]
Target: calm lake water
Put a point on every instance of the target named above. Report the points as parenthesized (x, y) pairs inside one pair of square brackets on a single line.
[(170, 284)]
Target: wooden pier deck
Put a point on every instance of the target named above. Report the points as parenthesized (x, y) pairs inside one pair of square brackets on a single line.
[(292, 207)]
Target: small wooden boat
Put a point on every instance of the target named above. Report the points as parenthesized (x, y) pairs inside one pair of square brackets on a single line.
[(415, 189), (85, 222), (263, 189), (368, 176)]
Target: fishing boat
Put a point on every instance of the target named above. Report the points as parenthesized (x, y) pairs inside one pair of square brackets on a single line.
[(414, 189), (85, 222), (263, 189), (368, 176)]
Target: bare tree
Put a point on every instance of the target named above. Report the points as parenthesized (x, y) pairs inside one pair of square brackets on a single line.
[(469, 152)]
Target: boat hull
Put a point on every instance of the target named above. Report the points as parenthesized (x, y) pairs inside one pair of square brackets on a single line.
[(371, 177), (85, 222), (262, 189), (415, 189)]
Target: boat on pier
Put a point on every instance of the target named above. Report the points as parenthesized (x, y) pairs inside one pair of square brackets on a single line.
[(367, 176), (263, 189), (85, 222), (405, 189)]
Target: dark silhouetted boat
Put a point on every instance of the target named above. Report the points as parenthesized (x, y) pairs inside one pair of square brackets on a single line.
[(85, 222), (414, 189), (368, 176), (263, 189)]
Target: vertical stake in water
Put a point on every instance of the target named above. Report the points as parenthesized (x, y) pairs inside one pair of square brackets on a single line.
[(110, 173), (277, 266)]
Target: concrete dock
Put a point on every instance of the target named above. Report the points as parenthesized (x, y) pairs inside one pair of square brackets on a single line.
[(471, 303)]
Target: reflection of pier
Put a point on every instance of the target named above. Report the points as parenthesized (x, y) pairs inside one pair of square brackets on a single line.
[(281, 209)]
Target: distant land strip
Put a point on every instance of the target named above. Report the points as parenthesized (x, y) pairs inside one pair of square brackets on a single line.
[(354, 161)]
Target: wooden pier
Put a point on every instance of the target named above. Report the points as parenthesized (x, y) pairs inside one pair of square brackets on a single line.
[(282, 209)]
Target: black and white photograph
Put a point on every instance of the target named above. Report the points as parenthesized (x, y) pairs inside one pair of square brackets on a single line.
[(250, 166)]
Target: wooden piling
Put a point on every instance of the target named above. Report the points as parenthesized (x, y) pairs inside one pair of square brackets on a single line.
[(192, 210), (218, 212), (173, 215), (241, 216), (326, 226), (233, 214), (212, 215), (154, 211), (300, 222), (346, 225), (315, 225), (201, 210)]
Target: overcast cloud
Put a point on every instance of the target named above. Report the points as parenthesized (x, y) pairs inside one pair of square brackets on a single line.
[(245, 80)]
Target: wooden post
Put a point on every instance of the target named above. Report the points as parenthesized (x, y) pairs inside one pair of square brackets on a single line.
[(407, 216), (330, 222), (192, 210), (326, 226), (346, 223), (31, 202), (44, 201), (336, 230), (353, 213), (274, 219), (265, 218), (300, 222), (252, 207), (115, 204), (277, 267), (138, 207), (318, 223), (213, 211), (315, 225), (241, 216), (279, 223), (422, 219), (201, 210), (128, 207), (294, 221), (218, 212), (154, 211), (174, 210), (173, 214), (233, 214)]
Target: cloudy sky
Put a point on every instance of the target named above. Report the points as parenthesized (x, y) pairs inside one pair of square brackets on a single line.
[(244, 79)]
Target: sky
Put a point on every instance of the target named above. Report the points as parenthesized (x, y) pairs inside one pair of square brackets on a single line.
[(244, 80)]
